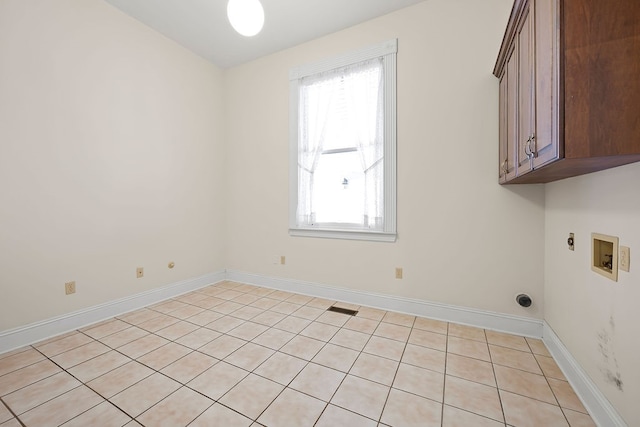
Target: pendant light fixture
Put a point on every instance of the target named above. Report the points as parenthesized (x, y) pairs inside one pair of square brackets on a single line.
[(246, 16)]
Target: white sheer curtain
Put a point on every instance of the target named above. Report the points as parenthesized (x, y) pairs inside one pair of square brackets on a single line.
[(346, 103)]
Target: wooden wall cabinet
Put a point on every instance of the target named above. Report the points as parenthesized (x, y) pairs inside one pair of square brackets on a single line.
[(569, 75)]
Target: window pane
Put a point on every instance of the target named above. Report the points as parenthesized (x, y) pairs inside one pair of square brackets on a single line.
[(338, 193)]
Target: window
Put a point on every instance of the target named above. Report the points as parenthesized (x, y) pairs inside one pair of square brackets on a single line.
[(343, 146)]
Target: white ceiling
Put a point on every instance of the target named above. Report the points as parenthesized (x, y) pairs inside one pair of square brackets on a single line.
[(202, 25)]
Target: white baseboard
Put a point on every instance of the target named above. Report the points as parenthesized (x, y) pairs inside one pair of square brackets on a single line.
[(29, 334), (600, 409), (450, 313)]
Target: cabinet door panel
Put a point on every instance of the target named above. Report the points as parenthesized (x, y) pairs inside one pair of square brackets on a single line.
[(526, 91)]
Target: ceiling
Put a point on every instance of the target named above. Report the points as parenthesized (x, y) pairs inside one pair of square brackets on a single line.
[(202, 26)]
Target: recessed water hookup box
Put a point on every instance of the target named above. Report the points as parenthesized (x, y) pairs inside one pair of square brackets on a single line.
[(604, 255)]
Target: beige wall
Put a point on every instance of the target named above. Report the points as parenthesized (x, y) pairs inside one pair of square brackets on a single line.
[(597, 319), (111, 157), (463, 239)]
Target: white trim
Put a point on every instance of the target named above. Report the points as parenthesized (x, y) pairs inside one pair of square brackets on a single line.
[(449, 313), (374, 236), (599, 407), (380, 49), (29, 334)]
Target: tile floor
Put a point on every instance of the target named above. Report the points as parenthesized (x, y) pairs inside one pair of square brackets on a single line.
[(240, 355)]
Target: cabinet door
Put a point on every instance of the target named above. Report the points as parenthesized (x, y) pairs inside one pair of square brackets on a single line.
[(547, 145), (526, 91), (508, 118)]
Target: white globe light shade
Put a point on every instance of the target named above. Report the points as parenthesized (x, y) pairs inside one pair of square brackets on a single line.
[(246, 16)]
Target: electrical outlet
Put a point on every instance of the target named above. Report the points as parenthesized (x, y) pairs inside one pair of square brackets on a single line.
[(70, 288), (623, 258), (398, 273), (282, 259), (139, 272)]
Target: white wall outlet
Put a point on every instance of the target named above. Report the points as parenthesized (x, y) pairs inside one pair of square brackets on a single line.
[(623, 258), (282, 259), (398, 273), (139, 272), (70, 288)]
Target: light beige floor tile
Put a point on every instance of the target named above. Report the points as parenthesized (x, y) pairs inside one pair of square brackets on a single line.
[(428, 339), (507, 340), (198, 338), (268, 318), (361, 396), (299, 299), (408, 410), (318, 381), (399, 319), (178, 409), (37, 393), (320, 303), (209, 303), (375, 368), (62, 408), (549, 367), (59, 346), (252, 395), (119, 379), (422, 382), (177, 330), (218, 380), (385, 347), (578, 419), (248, 331), (187, 312), (292, 324), (514, 359), (229, 295), (139, 316), (292, 408), (473, 397), (157, 323), (336, 357), (309, 313), (25, 376), (335, 319), (468, 348), (424, 357), (431, 325), (16, 351), (351, 339), (124, 337), (526, 412), (143, 395), (227, 307), (204, 318), (225, 324), (281, 368), (222, 346), (538, 347), (524, 383), (566, 396), (281, 295), (454, 417), (246, 299), (284, 307), (470, 369), (467, 332), (371, 313), (320, 331), (302, 347), (106, 328), (5, 414), (164, 356), (80, 354), (261, 292), (167, 306), (394, 332), (265, 303), (11, 423), (247, 312), (334, 416), (142, 346), (98, 366), (249, 356), (274, 338), (103, 415), (361, 324), (219, 415), (185, 369), (191, 297)]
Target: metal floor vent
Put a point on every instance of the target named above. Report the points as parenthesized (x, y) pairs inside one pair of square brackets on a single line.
[(342, 310)]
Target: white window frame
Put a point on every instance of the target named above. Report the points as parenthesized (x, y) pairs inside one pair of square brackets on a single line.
[(387, 50)]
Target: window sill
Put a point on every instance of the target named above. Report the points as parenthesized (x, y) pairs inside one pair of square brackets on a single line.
[(373, 236)]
